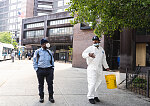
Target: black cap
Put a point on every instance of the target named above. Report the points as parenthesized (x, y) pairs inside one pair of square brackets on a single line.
[(44, 41), (95, 38)]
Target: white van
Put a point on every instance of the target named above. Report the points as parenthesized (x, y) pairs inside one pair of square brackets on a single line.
[(5, 51)]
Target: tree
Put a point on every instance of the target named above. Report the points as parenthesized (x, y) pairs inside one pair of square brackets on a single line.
[(70, 52), (108, 16), (5, 37)]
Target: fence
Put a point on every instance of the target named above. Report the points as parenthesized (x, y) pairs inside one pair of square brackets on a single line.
[(138, 81)]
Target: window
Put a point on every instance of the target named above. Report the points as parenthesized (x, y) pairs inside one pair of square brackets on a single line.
[(41, 24), (85, 26), (57, 22), (4, 50), (1, 10), (44, 6), (11, 20), (63, 31), (1, 4), (6, 9), (19, 6), (0, 28), (11, 14), (18, 25), (16, 20), (60, 3), (1, 16), (34, 34), (13, 7), (59, 10), (6, 15), (66, 31), (12, 1), (19, 19), (41, 14), (142, 31), (66, 2)]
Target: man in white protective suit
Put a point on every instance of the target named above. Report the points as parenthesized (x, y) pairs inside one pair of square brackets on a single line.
[(95, 58)]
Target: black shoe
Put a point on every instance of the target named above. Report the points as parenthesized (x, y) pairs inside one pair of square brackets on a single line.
[(41, 100), (92, 101), (51, 99), (96, 99)]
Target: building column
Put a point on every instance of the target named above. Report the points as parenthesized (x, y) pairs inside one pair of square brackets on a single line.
[(45, 27), (35, 8), (127, 50)]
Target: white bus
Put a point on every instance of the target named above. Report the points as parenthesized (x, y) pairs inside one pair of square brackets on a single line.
[(5, 51)]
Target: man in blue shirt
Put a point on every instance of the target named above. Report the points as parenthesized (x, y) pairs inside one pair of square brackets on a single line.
[(43, 63)]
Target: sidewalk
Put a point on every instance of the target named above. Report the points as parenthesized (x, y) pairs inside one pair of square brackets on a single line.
[(19, 87)]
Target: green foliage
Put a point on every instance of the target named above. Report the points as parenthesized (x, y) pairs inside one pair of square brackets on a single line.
[(139, 82), (110, 15), (14, 43), (70, 50), (5, 37)]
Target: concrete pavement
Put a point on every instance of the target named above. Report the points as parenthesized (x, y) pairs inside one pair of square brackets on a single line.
[(19, 87)]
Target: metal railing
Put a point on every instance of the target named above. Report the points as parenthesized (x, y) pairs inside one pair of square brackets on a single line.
[(138, 81)]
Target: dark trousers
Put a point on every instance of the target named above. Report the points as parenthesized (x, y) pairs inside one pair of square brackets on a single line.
[(47, 73), (12, 57)]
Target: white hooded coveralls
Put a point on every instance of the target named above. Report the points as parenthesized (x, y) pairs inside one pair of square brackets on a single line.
[(94, 69)]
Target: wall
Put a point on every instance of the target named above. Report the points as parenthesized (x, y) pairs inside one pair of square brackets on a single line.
[(81, 40), (29, 8)]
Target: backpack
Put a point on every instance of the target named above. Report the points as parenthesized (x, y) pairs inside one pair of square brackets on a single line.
[(39, 56)]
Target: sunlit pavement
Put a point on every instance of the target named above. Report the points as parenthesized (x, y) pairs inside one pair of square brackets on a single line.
[(19, 87)]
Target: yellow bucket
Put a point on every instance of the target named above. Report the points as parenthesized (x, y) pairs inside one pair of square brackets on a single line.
[(111, 81)]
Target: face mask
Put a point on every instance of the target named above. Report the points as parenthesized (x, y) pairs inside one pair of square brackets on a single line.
[(96, 44), (47, 45)]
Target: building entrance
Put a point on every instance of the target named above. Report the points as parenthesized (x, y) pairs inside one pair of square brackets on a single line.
[(62, 53), (143, 54), (112, 50)]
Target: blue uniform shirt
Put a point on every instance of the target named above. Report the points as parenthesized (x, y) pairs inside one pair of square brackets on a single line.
[(44, 59)]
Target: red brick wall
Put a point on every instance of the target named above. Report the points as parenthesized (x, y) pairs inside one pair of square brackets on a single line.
[(81, 40)]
